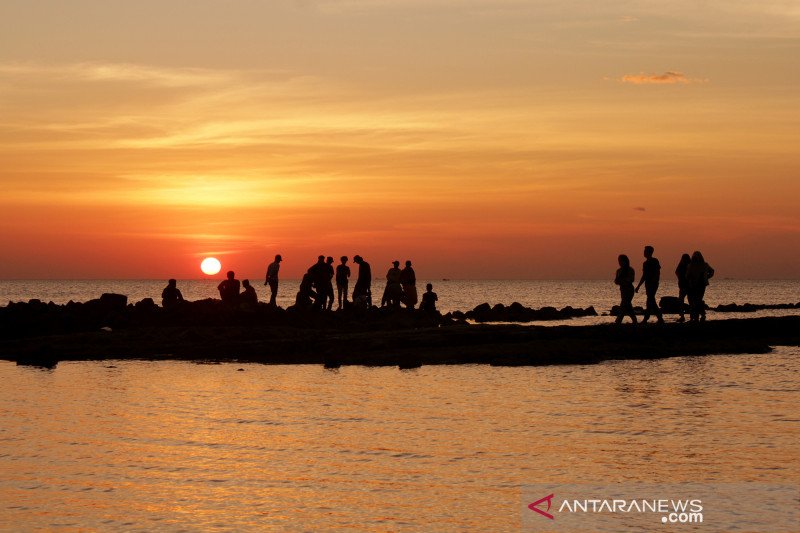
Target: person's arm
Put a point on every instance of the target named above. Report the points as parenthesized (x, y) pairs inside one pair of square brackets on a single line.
[(180, 296), (641, 281)]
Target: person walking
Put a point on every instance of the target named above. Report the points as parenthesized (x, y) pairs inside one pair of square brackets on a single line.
[(625, 278), (651, 275), (697, 275), (680, 273)]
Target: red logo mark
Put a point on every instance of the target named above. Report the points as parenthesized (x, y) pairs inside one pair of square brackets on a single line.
[(533, 506)]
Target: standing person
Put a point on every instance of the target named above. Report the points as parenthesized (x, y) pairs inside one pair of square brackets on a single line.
[(394, 290), (651, 275), (625, 278), (272, 278), (171, 295), (697, 275), (362, 294), (680, 273), (229, 289), (429, 299), (408, 279), (342, 279), (329, 284)]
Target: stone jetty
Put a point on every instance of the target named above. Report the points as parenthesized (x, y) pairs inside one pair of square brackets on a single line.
[(111, 328)]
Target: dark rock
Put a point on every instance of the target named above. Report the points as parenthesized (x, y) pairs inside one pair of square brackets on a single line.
[(147, 303), (113, 302)]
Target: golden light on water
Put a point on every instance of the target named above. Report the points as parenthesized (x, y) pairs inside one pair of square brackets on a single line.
[(210, 266)]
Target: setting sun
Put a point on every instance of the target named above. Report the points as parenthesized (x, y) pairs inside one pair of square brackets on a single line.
[(210, 266)]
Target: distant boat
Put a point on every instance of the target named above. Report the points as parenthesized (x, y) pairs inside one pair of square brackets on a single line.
[(445, 279)]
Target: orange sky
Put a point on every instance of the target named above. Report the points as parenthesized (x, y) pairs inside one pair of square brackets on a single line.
[(487, 139)]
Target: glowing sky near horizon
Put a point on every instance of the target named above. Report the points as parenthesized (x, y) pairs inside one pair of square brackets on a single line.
[(489, 139)]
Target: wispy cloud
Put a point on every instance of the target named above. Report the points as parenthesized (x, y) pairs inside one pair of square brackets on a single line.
[(118, 72), (668, 78)]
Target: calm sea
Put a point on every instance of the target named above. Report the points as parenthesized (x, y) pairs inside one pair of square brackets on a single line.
[(453, 295), (127, 445), (132, 445)]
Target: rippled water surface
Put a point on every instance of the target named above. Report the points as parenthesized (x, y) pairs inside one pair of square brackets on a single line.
[(171, 445)]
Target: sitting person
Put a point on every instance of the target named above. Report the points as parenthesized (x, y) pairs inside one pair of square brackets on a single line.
[(305, 295), (248, 296), (171, 296), (229, 289), (429, 299)]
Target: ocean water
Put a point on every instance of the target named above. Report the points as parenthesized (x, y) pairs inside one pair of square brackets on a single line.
[(453, 295), (170, 446)]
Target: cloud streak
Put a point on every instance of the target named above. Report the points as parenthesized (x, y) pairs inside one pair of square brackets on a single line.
[(668, 78)]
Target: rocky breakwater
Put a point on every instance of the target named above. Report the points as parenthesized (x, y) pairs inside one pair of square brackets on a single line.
[(110, 328), (516, 312), (673, 305)]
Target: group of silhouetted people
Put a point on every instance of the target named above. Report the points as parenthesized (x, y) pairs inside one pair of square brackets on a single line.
[(316, 287), (692, 272)]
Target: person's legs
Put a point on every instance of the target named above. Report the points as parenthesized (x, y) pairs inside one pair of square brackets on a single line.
[(701, 294), (273, 287), (694, 305), (682, 297), (652, 305)]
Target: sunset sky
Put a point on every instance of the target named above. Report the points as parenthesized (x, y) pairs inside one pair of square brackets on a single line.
[(478, 138)]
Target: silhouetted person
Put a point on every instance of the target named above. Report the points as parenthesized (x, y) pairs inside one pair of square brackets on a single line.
[(248, 296), (393, 292), (229, 289), (362, 294), (625, 278), (319, 277), (305, 294), (697, 275), (328, 288), (342, 279), (651, 275), (683, 284), (171, 296), (408, 280), (272, 278), (429, 299)]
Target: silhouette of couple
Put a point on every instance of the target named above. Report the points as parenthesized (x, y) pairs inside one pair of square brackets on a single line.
[(401, 286), (229, 291)]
